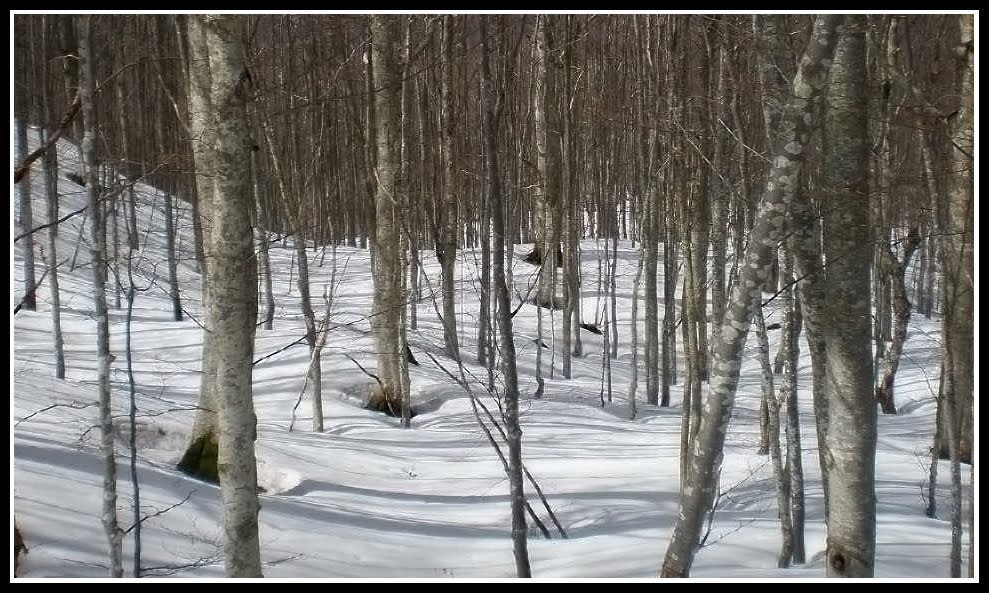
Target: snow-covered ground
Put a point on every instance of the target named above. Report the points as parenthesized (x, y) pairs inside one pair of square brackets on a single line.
[(368, 499)]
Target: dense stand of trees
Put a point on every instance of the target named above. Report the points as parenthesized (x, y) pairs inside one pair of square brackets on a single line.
[(826, 159)]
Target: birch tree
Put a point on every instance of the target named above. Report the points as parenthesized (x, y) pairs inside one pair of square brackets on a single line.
[(388, 300), (232, 289), (797, 121), (200, 456), (87, 92)]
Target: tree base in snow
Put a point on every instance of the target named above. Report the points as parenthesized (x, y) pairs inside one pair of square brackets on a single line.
[(556, 303), (200, 459), (535, 257), (19, 547), (386, 403)]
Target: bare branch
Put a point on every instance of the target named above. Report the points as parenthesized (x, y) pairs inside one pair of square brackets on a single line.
[(21, 170)]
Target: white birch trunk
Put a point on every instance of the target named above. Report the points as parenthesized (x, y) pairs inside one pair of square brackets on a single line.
[(232, 301), (87, 90), (798, 121)]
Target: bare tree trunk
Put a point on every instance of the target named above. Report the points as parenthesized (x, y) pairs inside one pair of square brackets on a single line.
[(650, 253), (24, 111), (446, 244), (772, 443), (895, 271), (956, 428), (293, 213), (264, 268), (850, 444), (484, 354), (130, 206), (788, 396), (613, 291), (797, 122), (232, 300), (49, 163), (159, 125), (957, 252), (546, 124), (389, 301), (768, 409), (507, 342), (633, 383), (87, 91), (200, 456), (669, 361), (719, 202), (571, 213)]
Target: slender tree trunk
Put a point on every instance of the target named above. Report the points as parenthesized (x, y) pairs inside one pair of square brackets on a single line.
[(159, 125), (797, 122), (130, 206), (633, 383), (650, 253), (768, 409), (446, 245), (49, 163), (294, 215), (788, 396), (264, 268), (784, 498), (87, 90), (895, 271), (24, 111), (669, 360), (507, 341)]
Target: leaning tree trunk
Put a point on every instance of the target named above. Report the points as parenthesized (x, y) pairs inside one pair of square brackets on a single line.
[(798, 120), (850, 444), (895, 271), (232, 302), (388, 300), (87, 91)]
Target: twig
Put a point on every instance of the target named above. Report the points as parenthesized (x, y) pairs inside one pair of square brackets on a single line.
[(159, 513), (21, 170), (28, 295), (52, 407), (366, 372), (475, 401)]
